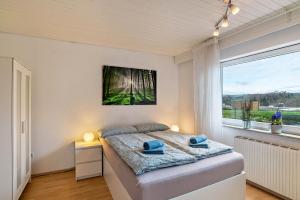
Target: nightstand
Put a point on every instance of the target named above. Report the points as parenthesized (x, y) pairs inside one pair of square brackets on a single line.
[(88, 159)]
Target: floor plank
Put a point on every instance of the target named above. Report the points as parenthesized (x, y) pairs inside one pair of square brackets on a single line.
[(63, 186), (253, 193)]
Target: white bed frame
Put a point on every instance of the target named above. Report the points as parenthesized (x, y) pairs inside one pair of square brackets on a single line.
[(229, 189)]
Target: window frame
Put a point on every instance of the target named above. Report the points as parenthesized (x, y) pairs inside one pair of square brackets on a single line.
[(261, 126)]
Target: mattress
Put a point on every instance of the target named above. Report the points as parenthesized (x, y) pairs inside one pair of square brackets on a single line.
[(171, 182)]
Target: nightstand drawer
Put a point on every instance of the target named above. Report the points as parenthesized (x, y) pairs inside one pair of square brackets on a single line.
[(87, 155), (90, 169)]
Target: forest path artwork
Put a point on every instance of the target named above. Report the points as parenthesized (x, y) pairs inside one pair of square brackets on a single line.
[(128, 86)]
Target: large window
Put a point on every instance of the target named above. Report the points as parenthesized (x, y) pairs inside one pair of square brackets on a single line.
[(268, 82)]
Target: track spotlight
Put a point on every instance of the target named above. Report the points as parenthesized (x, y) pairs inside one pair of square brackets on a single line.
[(234, 9), (216, 33), (225, 22)]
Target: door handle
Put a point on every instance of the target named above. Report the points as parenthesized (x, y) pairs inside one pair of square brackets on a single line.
[(22, 127)]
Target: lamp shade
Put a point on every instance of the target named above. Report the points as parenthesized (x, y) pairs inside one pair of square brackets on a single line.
[(88, 137), (175, 128), (216, 33), (234, 9), (225, 22)]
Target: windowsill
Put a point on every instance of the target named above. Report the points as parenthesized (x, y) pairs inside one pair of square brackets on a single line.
[(264, 131)]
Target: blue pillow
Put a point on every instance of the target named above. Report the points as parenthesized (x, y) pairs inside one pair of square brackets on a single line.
[(117, 131)]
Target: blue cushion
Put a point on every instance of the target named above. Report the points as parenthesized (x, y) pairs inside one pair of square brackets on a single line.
[(198, 139), (153, 144), (159, 150), (199, 145)]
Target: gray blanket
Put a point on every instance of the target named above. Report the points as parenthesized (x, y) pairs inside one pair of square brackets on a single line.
[(181, 141), (130, 146)]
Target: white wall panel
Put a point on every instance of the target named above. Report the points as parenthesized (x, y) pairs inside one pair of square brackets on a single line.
[(67, 89)]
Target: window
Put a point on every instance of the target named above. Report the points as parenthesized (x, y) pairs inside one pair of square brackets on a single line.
[(268, 82)]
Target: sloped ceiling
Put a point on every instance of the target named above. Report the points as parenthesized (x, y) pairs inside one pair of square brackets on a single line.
[(167, 27)]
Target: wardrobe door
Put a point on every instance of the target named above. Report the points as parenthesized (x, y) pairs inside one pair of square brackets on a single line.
[(22, 129), (17, 133)]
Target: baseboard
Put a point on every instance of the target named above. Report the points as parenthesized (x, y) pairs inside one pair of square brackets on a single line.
[(53, 172), (267, 190)]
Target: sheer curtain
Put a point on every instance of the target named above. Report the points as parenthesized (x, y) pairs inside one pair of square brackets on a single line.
[(207, 89)]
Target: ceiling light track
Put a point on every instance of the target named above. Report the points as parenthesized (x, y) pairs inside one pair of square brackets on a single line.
[(223, 22)]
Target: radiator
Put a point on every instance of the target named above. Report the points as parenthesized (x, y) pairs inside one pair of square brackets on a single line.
[(272, 166)]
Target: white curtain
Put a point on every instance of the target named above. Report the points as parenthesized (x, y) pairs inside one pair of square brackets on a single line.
[(207, 89)]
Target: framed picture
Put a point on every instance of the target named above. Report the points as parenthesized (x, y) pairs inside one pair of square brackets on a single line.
[(128, 86)]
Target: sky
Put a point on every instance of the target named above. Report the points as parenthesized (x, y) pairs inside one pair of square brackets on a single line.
[(280, 73)]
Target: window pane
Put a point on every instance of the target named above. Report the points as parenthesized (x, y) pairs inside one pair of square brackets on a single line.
[(270, 84)]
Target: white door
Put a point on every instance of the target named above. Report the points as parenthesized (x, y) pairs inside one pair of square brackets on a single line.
[(22, 128)]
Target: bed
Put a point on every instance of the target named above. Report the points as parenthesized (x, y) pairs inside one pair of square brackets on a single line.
[(218, 177)]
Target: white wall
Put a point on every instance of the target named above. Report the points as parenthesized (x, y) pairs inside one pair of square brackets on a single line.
[(67, 89), (6, 171)]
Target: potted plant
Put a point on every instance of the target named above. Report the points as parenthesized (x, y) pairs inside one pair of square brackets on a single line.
[(246, 114), (276, 125)]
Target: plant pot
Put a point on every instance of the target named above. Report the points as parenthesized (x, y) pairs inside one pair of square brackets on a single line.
[(247, 124), (276, 129)]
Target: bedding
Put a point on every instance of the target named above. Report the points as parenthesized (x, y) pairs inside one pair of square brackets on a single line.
[(150, 127), (170, 182), (181, 141), (117, 131), (130, 148)]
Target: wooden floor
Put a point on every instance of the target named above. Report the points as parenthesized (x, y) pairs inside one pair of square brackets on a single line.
[(63, 186)]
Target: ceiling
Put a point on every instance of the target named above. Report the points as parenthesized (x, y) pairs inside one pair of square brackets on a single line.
[(167, 27)]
